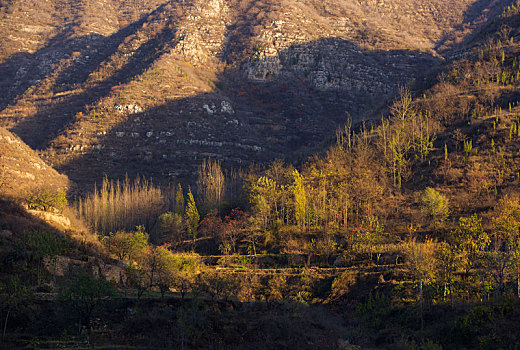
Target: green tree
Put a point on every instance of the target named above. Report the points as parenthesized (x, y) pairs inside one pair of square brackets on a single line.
[(44, 245), (447, 259), (369, 234), (127, 245), (187, 267), (179, 201), (170, 228), (263, 195), (84, 295), (192, 217), (137, 277), (435, 206), (12, 294), (46, 200)]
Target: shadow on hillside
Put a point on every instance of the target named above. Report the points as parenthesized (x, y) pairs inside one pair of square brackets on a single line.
[(475, 11), (92, 50), (14, 218), (289, 108), (482, 13)]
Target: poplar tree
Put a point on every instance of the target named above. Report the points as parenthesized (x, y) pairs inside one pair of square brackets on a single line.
[(192, 216), (210, 185), (179, 201), (300, 199)]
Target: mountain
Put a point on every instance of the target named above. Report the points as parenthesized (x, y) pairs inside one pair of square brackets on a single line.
[(154, 87)]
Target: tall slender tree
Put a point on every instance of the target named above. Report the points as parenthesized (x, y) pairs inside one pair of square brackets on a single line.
[(300, 200), (192, 216), (179, 201)]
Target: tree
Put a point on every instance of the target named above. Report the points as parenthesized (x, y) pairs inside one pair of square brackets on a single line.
[(192, 217), (403, 108), (435, 206), (263, 194), (137, 278), (276, 288), (3, 171), (420, 260), (218, 285), (44, 245), (161, 269), (211, 225), (300, 200), (46, 200), (399, 146), (187, 267), (127, 245), (210, 185), (122, 205), (470, 239), (179, 201), (233, 228), (84, 294), (447, 258), (506, 239), (13, 292), (170, 228), (370, 233)]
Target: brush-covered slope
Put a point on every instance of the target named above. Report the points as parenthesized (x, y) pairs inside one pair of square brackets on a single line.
[(22, 170), (155, 86)]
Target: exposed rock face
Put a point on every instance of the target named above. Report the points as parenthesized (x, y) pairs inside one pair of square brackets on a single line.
[(66, 267), (157, 87)]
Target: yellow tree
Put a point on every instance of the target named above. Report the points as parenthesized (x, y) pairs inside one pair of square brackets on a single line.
[(470, 240), (435, 205), (447, 260), (263, 194), (506, 239), (300, 200), (421, 262)]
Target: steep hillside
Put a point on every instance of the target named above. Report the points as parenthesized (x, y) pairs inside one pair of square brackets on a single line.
[(22, 170), (154, 87)]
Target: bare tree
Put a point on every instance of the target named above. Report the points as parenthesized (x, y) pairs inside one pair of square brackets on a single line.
[(210, 185)]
